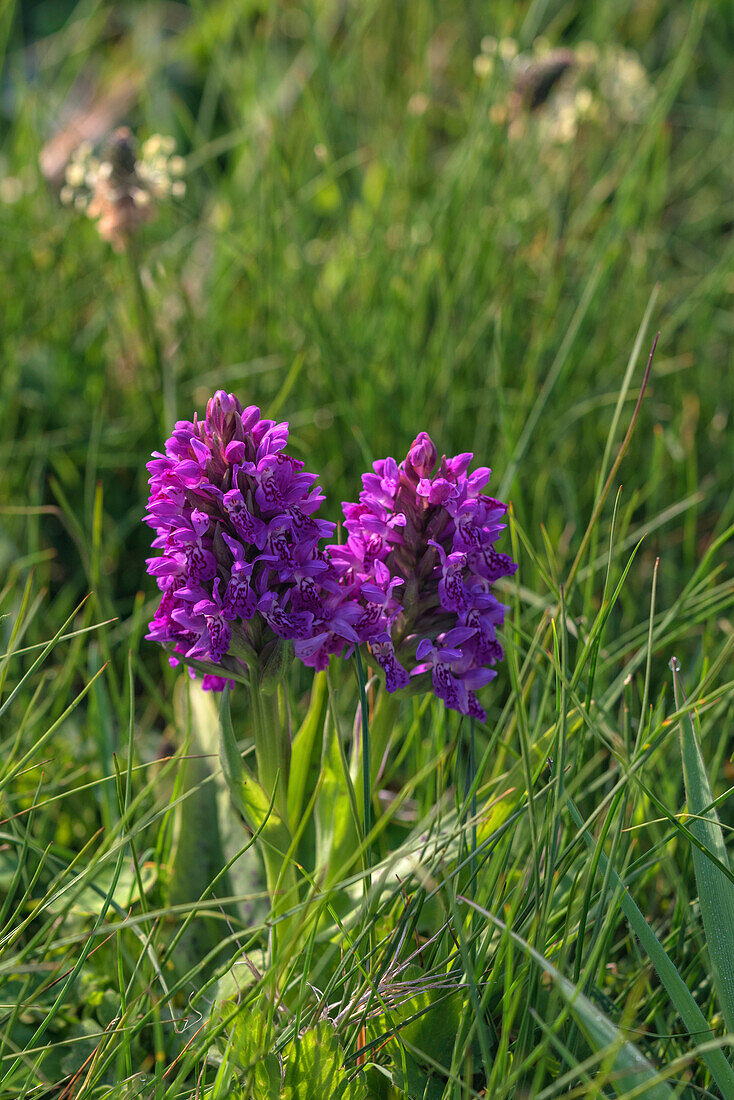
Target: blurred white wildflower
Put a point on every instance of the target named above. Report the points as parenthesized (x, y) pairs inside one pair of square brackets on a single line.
[(507, 48), (121, 190), (418, 104), (551, 92), (14, 185), (624, 84), (483, 66), (11, 190), (587, 54)]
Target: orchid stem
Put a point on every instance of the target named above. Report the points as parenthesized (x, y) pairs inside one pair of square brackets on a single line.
[(366, 771)]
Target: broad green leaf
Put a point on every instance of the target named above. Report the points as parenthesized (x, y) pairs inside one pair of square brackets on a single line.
[(197, 852), (246, 793), (261, 816), (335, 811), (314, 1069), (260, 1068), (715, 890), (197, 857), (427, 1023), (90, 901), (244, 875)]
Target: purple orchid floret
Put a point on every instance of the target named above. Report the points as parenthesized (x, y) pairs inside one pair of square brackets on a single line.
[(419, 562), (239, 563)]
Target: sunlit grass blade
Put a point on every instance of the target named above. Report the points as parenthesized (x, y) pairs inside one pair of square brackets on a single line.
[(41, 657), (629, 1069), (715, 890), (676, 988)]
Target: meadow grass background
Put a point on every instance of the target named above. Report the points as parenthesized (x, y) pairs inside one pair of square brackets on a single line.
[(364, 251)]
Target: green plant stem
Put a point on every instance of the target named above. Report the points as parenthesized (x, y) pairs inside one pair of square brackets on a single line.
[(272, 747), (272, 752), (366, 778), (151, 338), (381, 727)]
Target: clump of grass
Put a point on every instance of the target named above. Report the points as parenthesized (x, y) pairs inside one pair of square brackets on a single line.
[(539, 903)]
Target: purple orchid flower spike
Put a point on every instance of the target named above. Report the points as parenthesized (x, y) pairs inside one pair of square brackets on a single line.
[(420, 562), (240, 567)]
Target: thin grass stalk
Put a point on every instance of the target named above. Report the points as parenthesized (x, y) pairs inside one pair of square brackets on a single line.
[(715, 890), (151, 337), (666, 970), (608, 484), (366, 768)]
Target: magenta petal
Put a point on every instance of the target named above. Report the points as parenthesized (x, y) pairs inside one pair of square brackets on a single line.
[(235, 452)]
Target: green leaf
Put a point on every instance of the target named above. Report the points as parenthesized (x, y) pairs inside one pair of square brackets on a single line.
[(197, 856), (197, 851), (246, 793), (715, 890), (244, 874), (261, 816), (336, 812), (416, 1081), (92, 899), (304, 758), (314, 1069), (436, 1022), (260, 1068), (427, 1024)]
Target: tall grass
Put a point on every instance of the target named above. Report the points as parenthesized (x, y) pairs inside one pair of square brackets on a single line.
[(538, 906)]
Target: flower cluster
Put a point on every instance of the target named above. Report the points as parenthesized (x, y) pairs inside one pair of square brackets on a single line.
[(120, 190), (419, 563), (564, 89), (240, 568)]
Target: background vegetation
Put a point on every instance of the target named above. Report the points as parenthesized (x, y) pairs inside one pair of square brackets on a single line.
[(377, 238)]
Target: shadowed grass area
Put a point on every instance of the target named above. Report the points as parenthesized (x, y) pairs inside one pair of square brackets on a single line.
[(391, 224)]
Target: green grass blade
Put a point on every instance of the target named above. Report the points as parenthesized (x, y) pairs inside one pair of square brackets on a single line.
[(630, 1069), (715, 890), (675, 987), (551, 379)]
